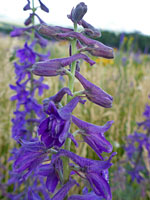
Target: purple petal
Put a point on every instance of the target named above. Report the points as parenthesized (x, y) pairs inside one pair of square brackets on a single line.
[(65, 112), (99, 185), (60, 195)]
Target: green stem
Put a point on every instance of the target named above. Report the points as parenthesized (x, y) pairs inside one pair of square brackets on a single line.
[(71, 87)]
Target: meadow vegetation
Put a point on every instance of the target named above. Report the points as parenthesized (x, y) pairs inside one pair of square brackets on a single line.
[(126, 78)]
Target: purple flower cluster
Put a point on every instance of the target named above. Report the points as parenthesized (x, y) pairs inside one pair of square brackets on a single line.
[(47, 167), (137, 144)]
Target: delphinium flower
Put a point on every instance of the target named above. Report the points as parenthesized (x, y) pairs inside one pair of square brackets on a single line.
[(49, 164), (28, 113), (138, 143)]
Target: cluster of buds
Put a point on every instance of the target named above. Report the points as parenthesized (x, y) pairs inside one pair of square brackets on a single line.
[(50, 161)]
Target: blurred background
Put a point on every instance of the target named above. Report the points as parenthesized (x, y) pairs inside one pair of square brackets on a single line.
[(125, 27)]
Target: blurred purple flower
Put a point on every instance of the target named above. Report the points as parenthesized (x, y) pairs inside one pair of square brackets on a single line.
[(27, 6), (19, 31), (43, 7)]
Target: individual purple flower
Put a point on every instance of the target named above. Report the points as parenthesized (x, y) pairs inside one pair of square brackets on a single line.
[(78, 12), (93, 170), (22, 71), (43, 42), (28, 21), (54, 129), (27, 6), (94, 93), (43, 7), (93, 135), (94, 47), (54, 67), (40, 86), (51, 31), (26, 54), (19, 31), (29, 156)]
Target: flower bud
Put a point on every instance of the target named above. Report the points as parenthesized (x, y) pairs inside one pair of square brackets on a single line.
[(78, 12)]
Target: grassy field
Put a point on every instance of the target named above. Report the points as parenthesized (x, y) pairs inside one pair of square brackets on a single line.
[(128, 83)]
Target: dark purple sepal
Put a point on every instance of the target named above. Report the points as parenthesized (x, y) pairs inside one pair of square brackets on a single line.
[(94, 135), (78, 12), (60, 195), (94, 93), (43, 7)]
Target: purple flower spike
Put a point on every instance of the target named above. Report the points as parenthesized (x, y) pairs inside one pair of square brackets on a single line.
[(94, 135), (54, 67), (43, 7), (27, 6), (60, 195), (94, 93), (55, 129), (78, 12)]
